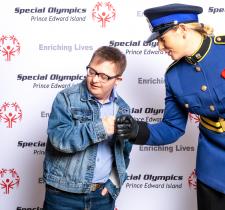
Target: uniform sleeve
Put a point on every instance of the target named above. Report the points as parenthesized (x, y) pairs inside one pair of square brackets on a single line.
[(67, 136), (173, 123)]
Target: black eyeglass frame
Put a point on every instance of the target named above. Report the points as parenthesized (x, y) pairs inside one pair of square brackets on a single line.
[(99, 74)]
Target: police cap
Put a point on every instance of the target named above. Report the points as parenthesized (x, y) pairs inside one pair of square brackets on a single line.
[(163, 18)]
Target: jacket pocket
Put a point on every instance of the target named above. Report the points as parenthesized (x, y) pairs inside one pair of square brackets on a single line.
[(81, 115), (220, 93)]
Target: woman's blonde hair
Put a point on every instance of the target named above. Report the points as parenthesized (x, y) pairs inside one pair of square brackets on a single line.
[(201, 28)]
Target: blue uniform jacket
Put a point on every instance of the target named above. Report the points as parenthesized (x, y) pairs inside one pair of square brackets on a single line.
[(195, 85)]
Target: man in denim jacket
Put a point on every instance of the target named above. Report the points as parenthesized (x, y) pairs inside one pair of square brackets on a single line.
[(85, 165)]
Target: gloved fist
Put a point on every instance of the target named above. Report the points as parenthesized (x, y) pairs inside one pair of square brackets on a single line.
[(126, 127)]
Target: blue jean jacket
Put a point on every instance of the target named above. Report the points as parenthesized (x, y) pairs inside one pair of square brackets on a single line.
[(74, 131)]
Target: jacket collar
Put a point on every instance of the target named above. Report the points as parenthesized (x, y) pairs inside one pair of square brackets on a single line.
[(201, 52), (86, 95)]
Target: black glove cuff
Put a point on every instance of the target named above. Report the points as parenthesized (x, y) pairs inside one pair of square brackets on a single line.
[(143, 134)]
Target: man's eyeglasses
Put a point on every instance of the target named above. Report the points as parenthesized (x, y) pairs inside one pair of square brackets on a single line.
[(101, 76)]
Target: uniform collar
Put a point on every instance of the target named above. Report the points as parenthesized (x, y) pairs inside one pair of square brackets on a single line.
[(201, 52)]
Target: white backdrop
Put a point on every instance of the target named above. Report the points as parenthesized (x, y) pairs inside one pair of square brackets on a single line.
[(44, 47)]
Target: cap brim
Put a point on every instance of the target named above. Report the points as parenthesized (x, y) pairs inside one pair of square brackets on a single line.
[(153, 36), (157, 34)]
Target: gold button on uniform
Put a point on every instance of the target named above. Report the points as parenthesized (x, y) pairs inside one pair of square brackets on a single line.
[(218, 39), (204, 88), (212, 108), (186, 105), (198, 68), (198, 56)]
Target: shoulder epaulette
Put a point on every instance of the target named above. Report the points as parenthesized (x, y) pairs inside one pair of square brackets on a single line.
[(219, 39), (171, 65)]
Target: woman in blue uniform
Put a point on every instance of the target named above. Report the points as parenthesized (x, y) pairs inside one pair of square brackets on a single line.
[(195, 83)]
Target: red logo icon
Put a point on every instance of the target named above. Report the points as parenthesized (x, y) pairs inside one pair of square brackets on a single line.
[(103, 13), (8, 179), (10, 113), (223, 74), (192, 180), (9, 46)]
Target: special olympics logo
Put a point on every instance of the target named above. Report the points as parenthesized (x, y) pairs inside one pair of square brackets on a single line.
[(103, 12), (8, 179), (9, 46), (192, 180), (10, 113)]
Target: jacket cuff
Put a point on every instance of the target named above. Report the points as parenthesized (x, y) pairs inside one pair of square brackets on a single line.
[(143, 133)]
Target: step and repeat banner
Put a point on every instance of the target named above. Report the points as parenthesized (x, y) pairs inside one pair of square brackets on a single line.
[(45, 47)]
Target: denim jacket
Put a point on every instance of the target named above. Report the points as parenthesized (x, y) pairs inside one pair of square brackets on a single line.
[(74, 131)]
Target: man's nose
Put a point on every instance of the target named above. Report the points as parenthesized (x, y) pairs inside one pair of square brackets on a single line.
[(96, 78)]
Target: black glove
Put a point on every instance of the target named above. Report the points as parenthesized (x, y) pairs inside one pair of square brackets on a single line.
[(128, 128)]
